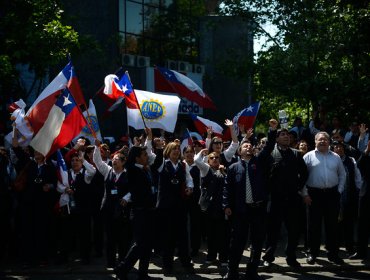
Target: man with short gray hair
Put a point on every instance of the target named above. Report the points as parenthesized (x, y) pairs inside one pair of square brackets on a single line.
[(325, 183)]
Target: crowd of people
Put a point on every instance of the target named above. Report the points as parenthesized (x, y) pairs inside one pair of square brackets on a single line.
[(154, 197)]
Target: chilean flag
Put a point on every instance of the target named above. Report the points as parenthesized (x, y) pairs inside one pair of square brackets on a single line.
[(186, 140), (171, 81), (202, 124), (118, 89), (105, 92), (62, 171), (40, 109), (63, 123), (247, 116)]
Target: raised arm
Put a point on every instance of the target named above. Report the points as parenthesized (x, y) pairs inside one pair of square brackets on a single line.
[(99, 163), (198, 160)]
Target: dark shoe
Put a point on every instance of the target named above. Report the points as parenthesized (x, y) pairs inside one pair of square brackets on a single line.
[(267, 264), (231, 276), (357, 256), (335, 259), (310, 259), (293, 263)]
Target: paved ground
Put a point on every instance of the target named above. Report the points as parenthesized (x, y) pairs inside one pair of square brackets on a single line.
[(353, 269)]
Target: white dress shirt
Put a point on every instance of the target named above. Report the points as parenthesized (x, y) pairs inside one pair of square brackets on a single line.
[(325, 170)]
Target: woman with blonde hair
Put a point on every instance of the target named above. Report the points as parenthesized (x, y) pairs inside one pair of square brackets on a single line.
[(175, 185), (217, 227)]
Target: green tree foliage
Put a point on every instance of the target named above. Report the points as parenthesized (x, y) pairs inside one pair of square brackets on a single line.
[(32, 33), (320, 54)]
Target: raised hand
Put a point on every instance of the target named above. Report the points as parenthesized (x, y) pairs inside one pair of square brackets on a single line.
[(228, 122), (273, 124)]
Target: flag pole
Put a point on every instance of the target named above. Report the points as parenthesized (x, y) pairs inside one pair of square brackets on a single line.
[(192, 142), (83, 104), (137, 102), (79, 109)]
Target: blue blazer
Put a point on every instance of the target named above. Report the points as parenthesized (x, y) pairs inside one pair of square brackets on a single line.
[(258, 170)]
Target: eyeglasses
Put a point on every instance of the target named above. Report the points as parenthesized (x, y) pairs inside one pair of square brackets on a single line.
[(217, 143), (214, 158)]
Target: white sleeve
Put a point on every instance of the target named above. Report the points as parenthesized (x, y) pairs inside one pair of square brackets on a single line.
[(189, 179), (199, 162), (362, 143), (230, 151), (149, 150), (90, 171), (358, 177), (208, 143), (100, 164)]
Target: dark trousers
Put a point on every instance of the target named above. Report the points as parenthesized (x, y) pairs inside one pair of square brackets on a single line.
[(288, 211), (195, 219), (118, 237), (349, 215), (83, 226), (363, 224), (36, 234), (173, 228), (252, 222), (218, 237), (324, 206), (143, 230), (98, 232)]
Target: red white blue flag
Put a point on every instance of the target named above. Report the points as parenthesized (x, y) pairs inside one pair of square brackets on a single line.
[(63, 123), (40, 109), (116, 89), (247, 116), (167, 80), (201, 124), (62, 171)]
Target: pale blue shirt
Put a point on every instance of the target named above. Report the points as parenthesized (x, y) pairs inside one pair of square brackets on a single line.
[(325, 170)]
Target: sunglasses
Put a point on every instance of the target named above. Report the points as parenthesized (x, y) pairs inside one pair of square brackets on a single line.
[(214, 158)]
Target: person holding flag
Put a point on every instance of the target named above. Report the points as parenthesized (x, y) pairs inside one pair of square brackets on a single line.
[(77, 201)]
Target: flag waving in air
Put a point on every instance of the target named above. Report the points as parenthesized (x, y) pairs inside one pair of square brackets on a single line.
[(24, 131), (40, 109), (201, 124), (167, 80), (92, 130), (156, 110), (62, 124), (246, 117), (117, 89)]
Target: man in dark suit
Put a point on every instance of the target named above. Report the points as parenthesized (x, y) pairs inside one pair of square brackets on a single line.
[(142, 196), (245, 199), (288, 176)]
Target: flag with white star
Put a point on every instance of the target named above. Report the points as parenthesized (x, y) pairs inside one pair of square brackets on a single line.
[(63, 123)]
